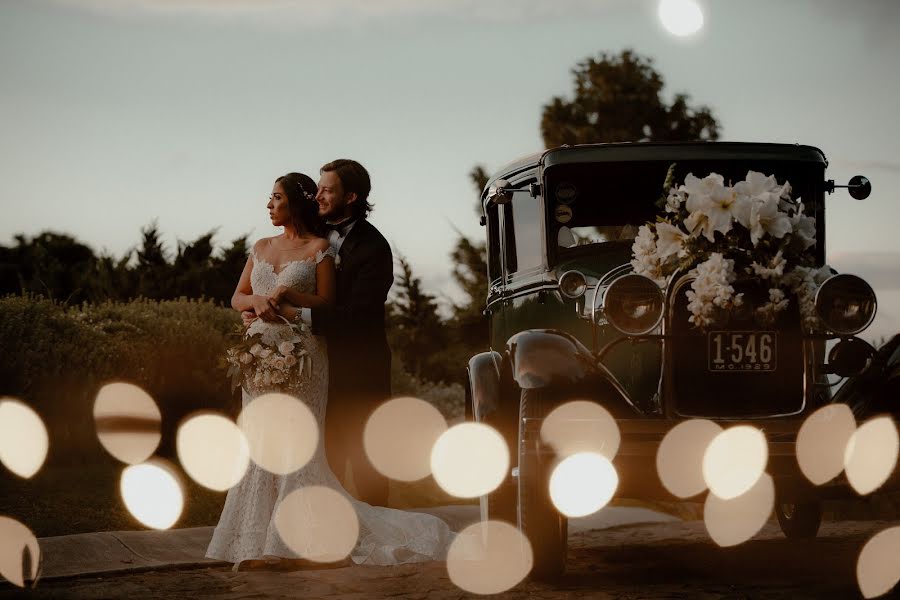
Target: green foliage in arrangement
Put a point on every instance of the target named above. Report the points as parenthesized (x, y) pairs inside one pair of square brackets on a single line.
[(57, 357)]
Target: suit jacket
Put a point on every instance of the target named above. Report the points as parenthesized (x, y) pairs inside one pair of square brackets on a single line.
[(358, 354)]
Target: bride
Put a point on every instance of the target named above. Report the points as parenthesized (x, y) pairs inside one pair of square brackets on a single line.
[(284, 274)]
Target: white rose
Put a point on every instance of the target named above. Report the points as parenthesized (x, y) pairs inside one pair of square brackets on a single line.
[(286, 348), (290, 361), (265, 353), (256, 349), (279, 363)]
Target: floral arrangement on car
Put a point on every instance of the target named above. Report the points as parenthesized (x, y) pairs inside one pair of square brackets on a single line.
[(263, 361), (719, 233)]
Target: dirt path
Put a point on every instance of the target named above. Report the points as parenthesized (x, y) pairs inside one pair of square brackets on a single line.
[(666, 560)]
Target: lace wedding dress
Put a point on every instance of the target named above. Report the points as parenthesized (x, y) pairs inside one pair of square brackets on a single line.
[(246, 528)]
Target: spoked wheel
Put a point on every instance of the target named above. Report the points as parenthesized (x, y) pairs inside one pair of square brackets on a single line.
[(542, 524), (799, 520)]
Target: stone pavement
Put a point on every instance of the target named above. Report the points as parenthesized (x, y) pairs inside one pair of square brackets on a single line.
[(119, 552)]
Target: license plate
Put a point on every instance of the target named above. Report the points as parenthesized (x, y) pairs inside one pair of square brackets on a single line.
[(742, 351)]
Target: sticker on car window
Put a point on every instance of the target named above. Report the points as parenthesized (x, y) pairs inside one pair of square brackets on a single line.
[(563, 213), (566, 192)]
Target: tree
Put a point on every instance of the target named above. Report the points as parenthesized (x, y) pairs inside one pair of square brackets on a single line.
[(419, 333), (154, 277), (617, 99)]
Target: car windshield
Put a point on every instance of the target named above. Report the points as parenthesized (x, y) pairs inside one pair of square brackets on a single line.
[(604, 203)]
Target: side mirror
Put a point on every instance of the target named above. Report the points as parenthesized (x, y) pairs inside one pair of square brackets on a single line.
[(859, 187), (500, 192)]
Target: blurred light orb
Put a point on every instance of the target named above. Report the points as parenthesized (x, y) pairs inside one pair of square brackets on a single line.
[(581, 426), (399, 436), (680, 17), (871, 454), (582, 484), (734, 461), (878, 566), (152, 494), (318, 523), (822, 442), (732, 522), (281, 431), (15, 540), (679, 459), (489, 557), (213, 451), (127, 422), (24, 441), (469, 460)]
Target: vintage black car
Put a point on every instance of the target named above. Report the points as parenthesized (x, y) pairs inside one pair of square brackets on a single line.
[(570, 319)]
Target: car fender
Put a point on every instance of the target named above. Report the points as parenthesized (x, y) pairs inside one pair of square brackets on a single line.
[(484, 383), (543, 357)]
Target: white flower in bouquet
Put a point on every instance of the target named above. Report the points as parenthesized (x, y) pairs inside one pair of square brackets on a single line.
[(774, 269), (776, 304), (290, 361), (646, 261), (804, 228), (277, 377), (256, 349), (711, 289), (766, 218), (265, 353), (278, 363), (246, 358), (286, 348), (674, 200), (671, 240)]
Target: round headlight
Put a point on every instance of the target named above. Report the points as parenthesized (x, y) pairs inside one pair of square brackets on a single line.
[(846, 304), (572, 284), (633, 304)]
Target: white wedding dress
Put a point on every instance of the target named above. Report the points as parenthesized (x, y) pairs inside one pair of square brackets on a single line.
[(246, 528)]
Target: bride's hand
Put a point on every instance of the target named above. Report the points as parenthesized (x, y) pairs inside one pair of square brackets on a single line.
[(247, 317), (265, 308), (281, 295)]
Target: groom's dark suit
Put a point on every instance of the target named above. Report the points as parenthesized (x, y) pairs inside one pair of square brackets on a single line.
[(359, 359)]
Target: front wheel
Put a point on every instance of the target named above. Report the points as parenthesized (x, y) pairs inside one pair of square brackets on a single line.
[(800, 520), (545, 528)]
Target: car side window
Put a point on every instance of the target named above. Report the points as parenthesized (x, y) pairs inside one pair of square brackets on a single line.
[(493, 247), (524, 233)]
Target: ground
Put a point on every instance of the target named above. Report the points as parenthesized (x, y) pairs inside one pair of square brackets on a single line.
[(654, 561)]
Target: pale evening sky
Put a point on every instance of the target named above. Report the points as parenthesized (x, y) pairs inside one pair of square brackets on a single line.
[(115, 113)]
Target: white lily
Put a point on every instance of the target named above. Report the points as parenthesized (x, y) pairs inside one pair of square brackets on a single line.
[(804, 228), (766, 218), (671, 240)]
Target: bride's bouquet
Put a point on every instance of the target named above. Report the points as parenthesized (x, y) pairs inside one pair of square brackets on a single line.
[(262, 360), (720, 233)]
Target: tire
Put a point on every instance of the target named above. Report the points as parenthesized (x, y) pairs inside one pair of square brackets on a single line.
[(545, 528), (799, 521)]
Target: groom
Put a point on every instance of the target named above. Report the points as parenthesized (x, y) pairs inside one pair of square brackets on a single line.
[(359, 359)]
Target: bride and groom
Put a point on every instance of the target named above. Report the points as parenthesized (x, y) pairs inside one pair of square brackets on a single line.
[(330, 270)]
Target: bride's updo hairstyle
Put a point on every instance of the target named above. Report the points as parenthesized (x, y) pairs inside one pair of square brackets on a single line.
[(301, 191)]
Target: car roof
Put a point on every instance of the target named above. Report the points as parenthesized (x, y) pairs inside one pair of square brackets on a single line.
[(632, 151)]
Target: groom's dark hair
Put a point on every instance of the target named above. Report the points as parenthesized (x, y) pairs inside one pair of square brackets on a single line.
[(354, 178)]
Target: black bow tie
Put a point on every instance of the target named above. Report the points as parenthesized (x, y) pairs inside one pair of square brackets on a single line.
[(341, 227)]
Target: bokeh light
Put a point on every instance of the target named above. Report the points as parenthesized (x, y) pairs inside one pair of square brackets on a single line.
[(15, 540), (734, 521), (127, 421), (470, 460), (581, 426), (878, 567), (582, 484), (871, 454), (681, 17), (679, 459), (23, 438), (152, 493), (822, 441), (213, 451), (734, 461), (489, 557), (318, 523), (399, 436), (281, 431)]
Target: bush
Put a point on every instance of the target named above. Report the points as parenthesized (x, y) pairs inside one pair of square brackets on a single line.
[(56, 358), (447, 398)]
